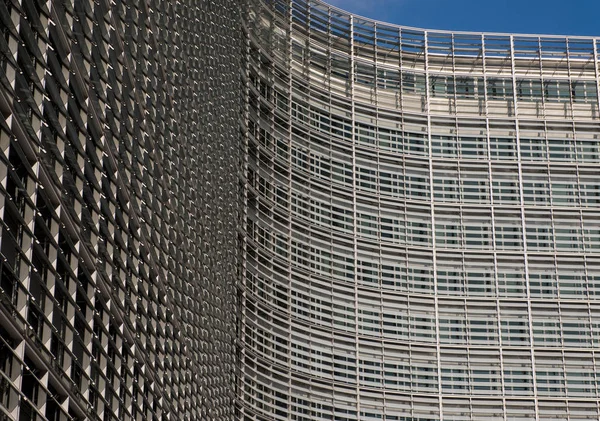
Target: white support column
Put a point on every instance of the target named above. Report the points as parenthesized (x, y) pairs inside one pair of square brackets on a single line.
[(523, 229), (289, 37), (354, 219), (493, 221), (433, 233)]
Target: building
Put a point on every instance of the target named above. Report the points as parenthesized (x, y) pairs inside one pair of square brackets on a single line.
[(318, 217), (422, 221), (118, 200)]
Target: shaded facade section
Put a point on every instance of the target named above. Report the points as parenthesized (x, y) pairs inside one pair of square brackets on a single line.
[(118, 201), (422, 215)]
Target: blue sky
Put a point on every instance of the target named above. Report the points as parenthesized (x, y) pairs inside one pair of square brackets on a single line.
[(561, 17)]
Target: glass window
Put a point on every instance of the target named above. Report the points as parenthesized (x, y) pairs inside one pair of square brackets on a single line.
[(557, 91), (529, 90), (500, 89)]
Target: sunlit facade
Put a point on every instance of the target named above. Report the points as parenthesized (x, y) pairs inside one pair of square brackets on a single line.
[(274, 210), (422, 221)]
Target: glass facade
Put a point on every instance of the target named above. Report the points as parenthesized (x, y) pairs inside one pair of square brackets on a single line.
[(274, 210), (119, 209), (422, 221)]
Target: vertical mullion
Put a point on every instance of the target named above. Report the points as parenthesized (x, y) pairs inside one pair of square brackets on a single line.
[(524, 229), (289, 65), (433, 233), (354, 217), (493, 226)]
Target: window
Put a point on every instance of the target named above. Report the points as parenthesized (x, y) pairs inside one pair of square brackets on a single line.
[(557, 91), (500, 89), (529, 90)]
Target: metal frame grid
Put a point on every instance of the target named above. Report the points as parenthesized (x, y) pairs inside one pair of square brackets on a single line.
[(422, 221), (119, 192)]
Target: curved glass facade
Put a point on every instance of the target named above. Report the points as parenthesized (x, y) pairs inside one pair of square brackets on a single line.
[(119, 193), (423, 221)]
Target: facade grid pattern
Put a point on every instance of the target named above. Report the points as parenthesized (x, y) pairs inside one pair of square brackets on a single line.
[(119, 192), (414, 216), (422, 221)]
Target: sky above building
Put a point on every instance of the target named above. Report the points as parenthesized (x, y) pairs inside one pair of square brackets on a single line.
[(576, 17)]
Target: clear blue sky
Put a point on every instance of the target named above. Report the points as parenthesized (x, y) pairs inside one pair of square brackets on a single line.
[(561, 17)]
